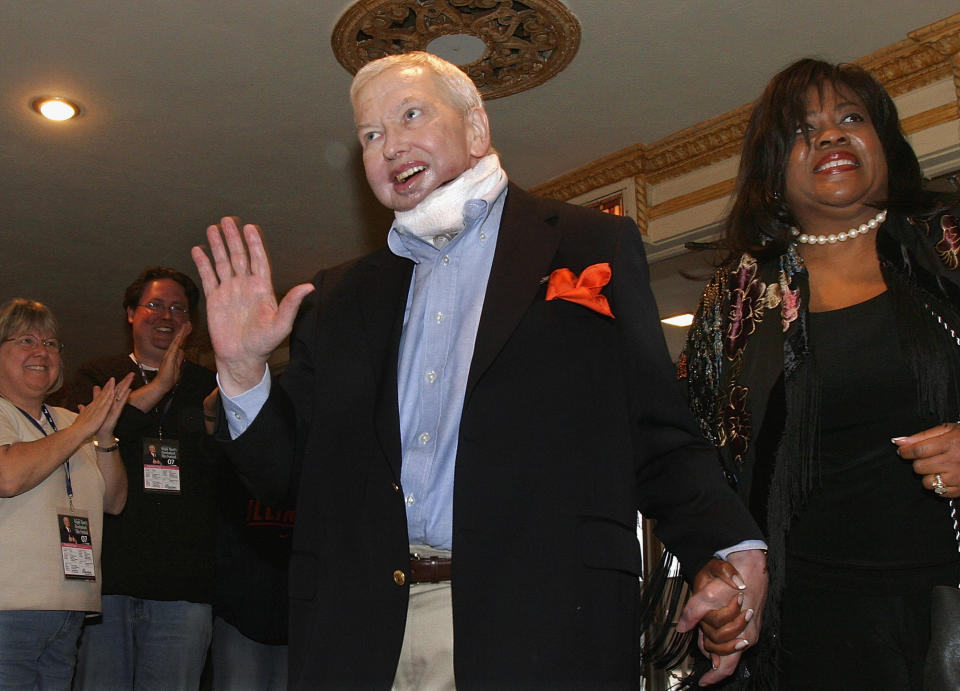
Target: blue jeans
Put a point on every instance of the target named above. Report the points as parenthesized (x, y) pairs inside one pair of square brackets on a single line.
[(144, 644), (38, 649), (241, 664)]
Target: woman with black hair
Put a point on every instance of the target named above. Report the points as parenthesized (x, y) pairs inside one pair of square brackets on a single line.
[(824, 364)]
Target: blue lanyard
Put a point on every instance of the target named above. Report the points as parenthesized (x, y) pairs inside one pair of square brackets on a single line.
[(53, 426)]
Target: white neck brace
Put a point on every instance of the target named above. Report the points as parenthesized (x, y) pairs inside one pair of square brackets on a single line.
[(441, 212)]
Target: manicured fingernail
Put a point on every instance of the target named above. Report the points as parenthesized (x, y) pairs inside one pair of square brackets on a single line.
[(715, 661), (897, 439), (739, 581), (740, 599), (749, 615), (741, 644)]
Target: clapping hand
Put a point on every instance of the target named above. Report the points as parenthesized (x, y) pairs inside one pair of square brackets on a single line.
[(99, 417), (171, 366)]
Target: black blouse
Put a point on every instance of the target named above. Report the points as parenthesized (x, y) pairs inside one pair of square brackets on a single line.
[(870, 509)]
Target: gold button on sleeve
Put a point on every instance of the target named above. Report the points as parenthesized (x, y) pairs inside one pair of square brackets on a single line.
[(399, 577), (396, 487)]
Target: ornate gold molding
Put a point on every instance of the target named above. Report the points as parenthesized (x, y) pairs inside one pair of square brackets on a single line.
[(906, 66), (924, 57), (691, 199), (914, 123), (944, 37), (643, 217), (708, 142), (930, 118), (604, 171), (528, 41), (921, 121)]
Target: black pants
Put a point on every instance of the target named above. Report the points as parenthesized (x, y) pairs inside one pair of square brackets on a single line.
[(872, 634)]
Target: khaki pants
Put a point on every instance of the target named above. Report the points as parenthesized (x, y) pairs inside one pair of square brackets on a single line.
[(426, 659)]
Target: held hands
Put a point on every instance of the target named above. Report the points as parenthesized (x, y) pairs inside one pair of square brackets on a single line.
[(935, 453), (245, 322), (727, 602), (721, 628), (99, 418)]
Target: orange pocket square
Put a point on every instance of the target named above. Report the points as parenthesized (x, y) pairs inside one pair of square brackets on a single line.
[(583, 289)]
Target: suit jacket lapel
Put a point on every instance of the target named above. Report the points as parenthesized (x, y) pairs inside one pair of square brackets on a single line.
[(526, 244), (383, 299)]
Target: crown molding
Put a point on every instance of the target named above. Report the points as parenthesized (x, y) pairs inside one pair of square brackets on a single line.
[(943, 35), (927, 55), (915, 123), (701, 145), (691, 199), (930, 118), (603, 171)]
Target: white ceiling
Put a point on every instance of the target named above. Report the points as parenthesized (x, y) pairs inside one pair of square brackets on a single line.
[(194, 110)]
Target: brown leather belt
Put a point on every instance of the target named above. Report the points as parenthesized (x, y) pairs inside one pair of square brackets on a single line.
[(429, 569)]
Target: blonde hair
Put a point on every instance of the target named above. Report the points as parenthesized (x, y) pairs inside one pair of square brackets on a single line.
[(19, 315), (460, 91)]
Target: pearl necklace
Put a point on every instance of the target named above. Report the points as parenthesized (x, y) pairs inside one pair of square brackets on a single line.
[(833, 239)]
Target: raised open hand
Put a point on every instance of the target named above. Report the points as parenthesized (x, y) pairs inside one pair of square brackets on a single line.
[(245, 321)]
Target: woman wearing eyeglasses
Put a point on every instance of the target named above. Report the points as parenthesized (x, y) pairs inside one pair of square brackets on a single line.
[(59, 471)]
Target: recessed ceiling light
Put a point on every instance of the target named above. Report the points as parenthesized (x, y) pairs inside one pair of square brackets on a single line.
[(55, 107), (679, 320)]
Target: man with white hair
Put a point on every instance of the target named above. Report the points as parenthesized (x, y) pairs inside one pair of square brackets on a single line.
[(471, 420)]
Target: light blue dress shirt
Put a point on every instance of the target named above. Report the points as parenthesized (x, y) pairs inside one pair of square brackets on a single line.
[(439, 330)]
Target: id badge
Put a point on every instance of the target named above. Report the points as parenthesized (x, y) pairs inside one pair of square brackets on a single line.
[(76, 545), (161, 466)]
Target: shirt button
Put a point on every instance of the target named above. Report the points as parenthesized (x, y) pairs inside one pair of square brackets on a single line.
[(483, 236), (446, 259), (409, 500), (396, 487), (425, 437), (237, 415), (431, 377), (439, 317), (399, 577)]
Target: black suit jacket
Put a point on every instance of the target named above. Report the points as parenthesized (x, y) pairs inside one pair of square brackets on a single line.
[(572, 422)]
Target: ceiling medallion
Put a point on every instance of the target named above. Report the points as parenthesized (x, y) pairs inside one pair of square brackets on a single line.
[(527, 43)]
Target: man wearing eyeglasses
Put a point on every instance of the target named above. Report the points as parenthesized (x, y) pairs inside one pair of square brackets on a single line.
[(158, 555)]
